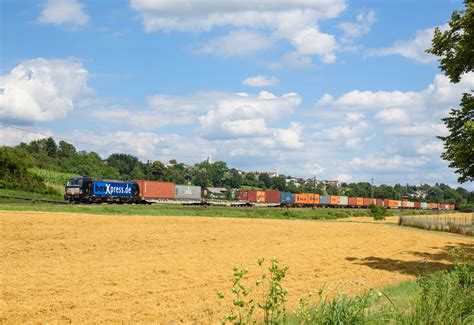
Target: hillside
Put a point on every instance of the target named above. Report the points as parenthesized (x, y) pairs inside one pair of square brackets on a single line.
[(43, 166)]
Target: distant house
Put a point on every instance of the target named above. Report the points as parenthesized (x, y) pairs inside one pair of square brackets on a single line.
[(294, 180), (415, 195), (217, 192), (333, 182), (270, 174)]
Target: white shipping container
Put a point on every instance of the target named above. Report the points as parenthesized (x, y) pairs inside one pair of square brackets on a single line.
[(411, 204), (424, 205), (188, 192), (344, 200)]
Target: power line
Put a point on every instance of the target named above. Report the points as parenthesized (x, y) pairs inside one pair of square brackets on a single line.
[(92, 144)]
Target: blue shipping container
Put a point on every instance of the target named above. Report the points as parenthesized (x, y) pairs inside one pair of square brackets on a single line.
[(112, 189), (287, 198), (324, 199)]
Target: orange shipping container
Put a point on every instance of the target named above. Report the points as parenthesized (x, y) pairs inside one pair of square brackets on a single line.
[(302, 198), (260, 197), (390, 203), (315, 198), (334, 200), (359, 201), (367, 201), (156, 190), (405, 204)]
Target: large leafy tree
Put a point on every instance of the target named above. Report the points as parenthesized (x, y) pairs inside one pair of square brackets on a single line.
[(455, 47), (459, 144)]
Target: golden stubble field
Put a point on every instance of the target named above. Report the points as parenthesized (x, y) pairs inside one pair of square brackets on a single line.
[(60, 267)]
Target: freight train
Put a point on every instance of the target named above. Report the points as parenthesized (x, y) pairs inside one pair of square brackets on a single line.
[(336, 201), (87, 190)]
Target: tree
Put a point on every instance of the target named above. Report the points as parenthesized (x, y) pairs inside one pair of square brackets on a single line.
[(264, 181), (459, 144), (250, 179), (124, 163), (66, 150), (51, 147), (278, 183), (455, 47)]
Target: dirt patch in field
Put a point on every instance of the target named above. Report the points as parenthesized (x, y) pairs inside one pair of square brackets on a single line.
[(391, 219), (60, 267)]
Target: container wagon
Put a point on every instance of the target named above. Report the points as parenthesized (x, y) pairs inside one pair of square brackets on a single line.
[(155, 190)]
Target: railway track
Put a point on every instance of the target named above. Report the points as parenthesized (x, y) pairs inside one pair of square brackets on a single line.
[(33, 199)]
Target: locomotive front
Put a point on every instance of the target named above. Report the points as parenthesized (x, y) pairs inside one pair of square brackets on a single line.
[(86, 190)]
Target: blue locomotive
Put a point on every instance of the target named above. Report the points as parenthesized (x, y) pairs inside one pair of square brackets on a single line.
[(87, 190)]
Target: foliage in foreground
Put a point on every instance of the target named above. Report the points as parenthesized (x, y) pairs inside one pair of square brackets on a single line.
[(443, 298)]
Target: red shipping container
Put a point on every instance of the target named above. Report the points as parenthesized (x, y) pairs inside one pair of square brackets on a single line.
[(352, 201), (156, 190), (379, 202), (272, 196), (367, 201), (243, 195), (252, 196), (417, 205)]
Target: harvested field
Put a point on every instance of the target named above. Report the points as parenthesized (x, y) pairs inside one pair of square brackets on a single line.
[(60, 267)]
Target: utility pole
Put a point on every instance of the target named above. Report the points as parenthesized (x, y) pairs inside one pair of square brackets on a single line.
[(314, 190), (372, 189), (207, 174), (148, 170)]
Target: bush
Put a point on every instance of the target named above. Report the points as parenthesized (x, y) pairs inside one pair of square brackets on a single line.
[(378, 212), (466, 207), (271, 300), (14, 173)]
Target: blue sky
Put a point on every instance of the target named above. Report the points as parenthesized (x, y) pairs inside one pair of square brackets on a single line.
[(340, 89)]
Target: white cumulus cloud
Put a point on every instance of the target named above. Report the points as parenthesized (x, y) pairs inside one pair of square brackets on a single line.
[(432, 147), (237, 43), (364, 22), (393, 116), (63, 12), (12, 135), (413, 49), (42, 90), (260, 81), (257, 25), (240, 116)]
